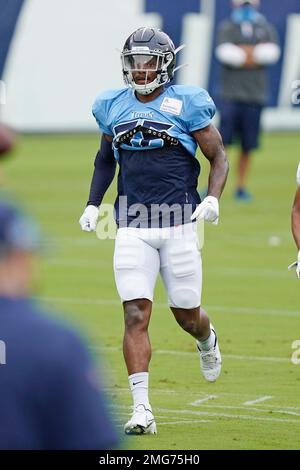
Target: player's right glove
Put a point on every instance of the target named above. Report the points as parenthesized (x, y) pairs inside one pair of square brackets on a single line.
[(89, 218), (296, 265)]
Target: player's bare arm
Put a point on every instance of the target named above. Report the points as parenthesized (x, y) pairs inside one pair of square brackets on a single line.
[(296, 225), (296, 218), (211, 145), (250, 61)]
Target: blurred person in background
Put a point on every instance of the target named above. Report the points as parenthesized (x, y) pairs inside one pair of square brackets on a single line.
[(50, 397), (7, 140), (246, 45), (296, 224)]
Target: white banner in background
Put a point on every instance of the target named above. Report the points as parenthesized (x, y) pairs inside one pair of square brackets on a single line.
[(62, 55), (64, 52)]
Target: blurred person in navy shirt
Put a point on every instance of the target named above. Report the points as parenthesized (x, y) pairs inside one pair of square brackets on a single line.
[(50, 397), (6, 140)]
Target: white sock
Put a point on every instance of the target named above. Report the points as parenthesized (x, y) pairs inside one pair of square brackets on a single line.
[(207, 343), (139, 388)]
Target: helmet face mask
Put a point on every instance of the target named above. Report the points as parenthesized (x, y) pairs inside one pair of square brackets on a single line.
[(140, 62), (148, 60)]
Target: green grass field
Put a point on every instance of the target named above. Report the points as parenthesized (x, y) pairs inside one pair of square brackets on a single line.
[(249, 294)]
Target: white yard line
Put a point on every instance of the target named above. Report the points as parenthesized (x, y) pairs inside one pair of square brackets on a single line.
[(202, 404), (258, 400), (293, 410), (228, 415), (170, 352), (203, 400), (174, 423), (184, 421), (250, 408), (257, 358), (219, 415)]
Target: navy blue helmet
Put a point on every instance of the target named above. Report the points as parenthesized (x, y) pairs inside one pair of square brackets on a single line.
[(149, 50)]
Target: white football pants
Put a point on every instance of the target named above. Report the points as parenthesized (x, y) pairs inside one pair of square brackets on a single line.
[(140, 253)]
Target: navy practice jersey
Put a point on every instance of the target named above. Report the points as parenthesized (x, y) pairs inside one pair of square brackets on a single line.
[(154, 146), (49, 393)]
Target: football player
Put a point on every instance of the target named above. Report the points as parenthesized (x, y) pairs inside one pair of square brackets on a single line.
[(296, 224), (152, 131)]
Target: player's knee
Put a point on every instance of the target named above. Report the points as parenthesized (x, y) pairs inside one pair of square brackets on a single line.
[(188, 324), (186, 298), (135, 315)]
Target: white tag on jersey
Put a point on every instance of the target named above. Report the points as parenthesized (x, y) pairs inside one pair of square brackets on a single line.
[(298, 174), (171, 105)]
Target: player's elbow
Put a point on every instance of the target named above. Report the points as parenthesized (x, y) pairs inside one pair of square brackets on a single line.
[(296, 211), (296, 204), (295, 219), (227, 167), (222, 161), (226, 163)]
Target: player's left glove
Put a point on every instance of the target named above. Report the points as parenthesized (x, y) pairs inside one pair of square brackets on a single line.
[(207, 210), (88, 220), (296, 265)]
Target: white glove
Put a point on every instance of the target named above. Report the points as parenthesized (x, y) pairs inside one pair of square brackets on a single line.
[(88, 220), (296, 265), (207, 210)]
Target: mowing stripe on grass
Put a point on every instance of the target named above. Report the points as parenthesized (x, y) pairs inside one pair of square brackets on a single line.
[(216, 308), (233, 272)]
